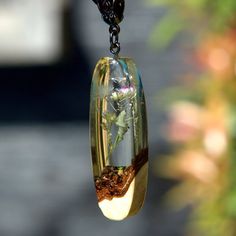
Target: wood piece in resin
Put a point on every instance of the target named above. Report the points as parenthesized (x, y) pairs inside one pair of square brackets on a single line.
[(118, 133)]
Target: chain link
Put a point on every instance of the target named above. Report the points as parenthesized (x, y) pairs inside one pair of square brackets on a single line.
[(114, 39), (112, 13)]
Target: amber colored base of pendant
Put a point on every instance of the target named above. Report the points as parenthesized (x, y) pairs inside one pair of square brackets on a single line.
[(129, 204)]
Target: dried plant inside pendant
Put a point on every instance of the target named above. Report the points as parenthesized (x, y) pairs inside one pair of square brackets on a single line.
[(118, 132)]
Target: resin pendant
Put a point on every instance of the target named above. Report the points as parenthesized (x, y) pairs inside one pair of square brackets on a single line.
[(118, 133)]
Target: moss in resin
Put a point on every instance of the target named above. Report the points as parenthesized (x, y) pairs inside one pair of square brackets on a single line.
[(122, 120)]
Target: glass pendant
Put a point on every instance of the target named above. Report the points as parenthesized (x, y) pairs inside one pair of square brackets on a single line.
[(118, 133)]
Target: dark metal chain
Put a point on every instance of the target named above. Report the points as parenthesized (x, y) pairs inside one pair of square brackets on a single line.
[(112, 13), (114, 39)]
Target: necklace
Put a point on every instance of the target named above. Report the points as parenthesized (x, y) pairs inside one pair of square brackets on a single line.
[(118, 126)]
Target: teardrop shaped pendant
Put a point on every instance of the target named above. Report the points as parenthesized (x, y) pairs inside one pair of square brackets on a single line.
[(118, 131)]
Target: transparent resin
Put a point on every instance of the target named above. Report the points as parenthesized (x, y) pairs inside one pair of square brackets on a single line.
[(118, 127)]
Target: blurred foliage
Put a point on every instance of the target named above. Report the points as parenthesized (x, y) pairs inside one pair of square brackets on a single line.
[(192, 16), (202, 115)]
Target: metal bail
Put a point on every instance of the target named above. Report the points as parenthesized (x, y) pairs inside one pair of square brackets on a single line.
[(112, 10)]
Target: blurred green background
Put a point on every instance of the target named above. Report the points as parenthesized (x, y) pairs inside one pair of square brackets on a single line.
[(201, 111)]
